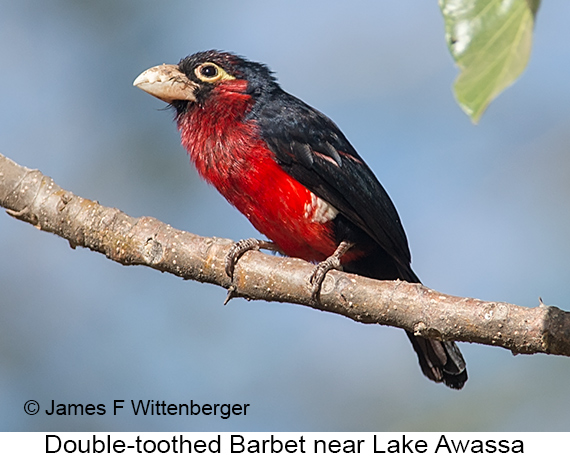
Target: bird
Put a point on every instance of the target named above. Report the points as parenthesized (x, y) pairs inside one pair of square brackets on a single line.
[(293, 173)]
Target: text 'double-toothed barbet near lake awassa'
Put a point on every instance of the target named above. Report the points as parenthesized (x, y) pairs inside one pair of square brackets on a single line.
[(291, 171)]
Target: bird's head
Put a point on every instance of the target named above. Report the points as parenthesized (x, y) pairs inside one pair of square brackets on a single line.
[(206, 76)]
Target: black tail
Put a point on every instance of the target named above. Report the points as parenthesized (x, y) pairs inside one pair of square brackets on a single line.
[(440, 361)]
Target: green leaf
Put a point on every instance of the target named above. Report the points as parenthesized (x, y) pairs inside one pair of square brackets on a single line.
[(490, 41)]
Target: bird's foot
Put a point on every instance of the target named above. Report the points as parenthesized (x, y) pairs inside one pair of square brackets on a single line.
[(241, 247), (331, 263), (234, 254)]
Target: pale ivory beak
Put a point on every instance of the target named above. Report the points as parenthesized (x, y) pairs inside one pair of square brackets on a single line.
[(167, 83)]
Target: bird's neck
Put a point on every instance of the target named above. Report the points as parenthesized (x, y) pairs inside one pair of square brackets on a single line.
[(216, 134), (205, 127)]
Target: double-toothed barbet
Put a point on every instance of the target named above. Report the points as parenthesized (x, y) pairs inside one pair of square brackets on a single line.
[(290, 170)]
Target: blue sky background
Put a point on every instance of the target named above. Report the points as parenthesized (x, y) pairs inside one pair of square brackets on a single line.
[(486, 210)]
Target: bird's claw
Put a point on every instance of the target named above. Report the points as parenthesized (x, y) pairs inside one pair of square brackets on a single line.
[(231, 294), (318, 276), (330, 263), (240, 248)]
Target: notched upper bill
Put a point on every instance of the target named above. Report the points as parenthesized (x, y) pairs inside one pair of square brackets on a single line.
[(167, 83)]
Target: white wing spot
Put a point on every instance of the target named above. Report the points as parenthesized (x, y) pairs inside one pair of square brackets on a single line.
[(319, 211)]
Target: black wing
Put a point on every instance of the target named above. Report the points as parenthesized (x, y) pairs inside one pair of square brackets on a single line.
[(313, 150)]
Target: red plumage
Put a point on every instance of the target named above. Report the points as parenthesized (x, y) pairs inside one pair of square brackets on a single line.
[(229, 153)]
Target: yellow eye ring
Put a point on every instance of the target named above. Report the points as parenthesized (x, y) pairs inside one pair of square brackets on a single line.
[(210, 73)]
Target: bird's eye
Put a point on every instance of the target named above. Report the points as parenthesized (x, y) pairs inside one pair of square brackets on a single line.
[(209, 71)]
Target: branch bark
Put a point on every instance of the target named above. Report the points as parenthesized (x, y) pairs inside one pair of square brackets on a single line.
[(32, 197)]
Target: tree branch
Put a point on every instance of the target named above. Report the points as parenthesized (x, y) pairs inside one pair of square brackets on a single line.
[(32, 197)]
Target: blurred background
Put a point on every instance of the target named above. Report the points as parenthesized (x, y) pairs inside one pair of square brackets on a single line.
[(486, 210)]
